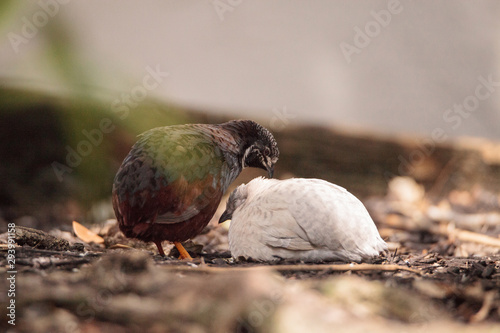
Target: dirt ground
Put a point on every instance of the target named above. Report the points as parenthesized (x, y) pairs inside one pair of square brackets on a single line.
[(442, 274), (440, 218)]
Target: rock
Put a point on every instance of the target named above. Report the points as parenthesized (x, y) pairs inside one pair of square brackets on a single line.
[(40, 240)]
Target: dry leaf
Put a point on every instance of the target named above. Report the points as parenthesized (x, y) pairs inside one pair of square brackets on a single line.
[(86, 235)]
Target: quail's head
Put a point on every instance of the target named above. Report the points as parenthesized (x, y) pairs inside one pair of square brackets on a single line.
[(236, 199), (263, 152)]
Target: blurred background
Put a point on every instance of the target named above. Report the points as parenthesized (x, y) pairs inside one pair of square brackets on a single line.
[(356, 92)]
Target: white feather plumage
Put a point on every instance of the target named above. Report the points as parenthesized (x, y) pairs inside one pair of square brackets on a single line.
[(300, 219)]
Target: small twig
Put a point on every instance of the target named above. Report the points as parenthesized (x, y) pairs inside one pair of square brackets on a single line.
[(460, 234), (120, 246), (295, 268), (469, 221), (347, 267), (469, 236), (5, 247), (465, 235)]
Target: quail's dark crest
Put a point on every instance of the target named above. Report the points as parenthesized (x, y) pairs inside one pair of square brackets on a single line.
[(171, 183)]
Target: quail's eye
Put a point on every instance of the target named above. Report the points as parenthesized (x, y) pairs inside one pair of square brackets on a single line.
[(267, 151)]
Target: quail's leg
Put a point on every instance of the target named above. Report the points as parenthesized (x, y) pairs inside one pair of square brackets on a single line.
[(160, 248), (182, 251)]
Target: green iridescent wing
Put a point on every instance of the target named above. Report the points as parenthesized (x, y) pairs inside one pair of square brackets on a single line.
[(181, 151)]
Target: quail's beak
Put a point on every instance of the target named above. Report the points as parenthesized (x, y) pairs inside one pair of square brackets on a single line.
[(225, 216), (270, 170)]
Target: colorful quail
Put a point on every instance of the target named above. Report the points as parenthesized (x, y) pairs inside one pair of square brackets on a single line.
[(299, 219), (171, 182)]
